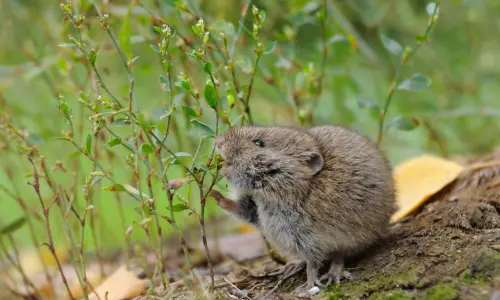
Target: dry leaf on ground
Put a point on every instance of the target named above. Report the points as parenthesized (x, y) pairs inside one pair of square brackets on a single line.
[(31, 262), (93, 277), (419, 178), (122, 284)]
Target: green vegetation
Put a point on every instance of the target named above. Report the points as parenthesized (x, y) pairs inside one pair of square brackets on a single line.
[(108, 109)]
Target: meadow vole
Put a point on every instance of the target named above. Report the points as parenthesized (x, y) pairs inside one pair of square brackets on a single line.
[(322, 193)]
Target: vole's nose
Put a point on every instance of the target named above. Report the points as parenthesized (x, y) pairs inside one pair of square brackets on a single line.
[(219, 143)]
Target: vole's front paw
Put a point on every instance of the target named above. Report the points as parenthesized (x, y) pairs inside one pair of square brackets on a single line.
[(332, 277), (223, 202)]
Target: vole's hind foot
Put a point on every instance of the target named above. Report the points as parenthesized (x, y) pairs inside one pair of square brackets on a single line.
[(333, 278), (335, 273)]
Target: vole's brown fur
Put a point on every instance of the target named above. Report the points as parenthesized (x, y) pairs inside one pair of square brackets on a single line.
[(322, 193)]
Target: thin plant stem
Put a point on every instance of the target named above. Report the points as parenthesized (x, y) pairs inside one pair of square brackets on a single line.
[(50, 244), (404, 59), (93, 217), (71, 239), (240, 26), (36, 243), (17, 265), (324, 53), (249, 92)]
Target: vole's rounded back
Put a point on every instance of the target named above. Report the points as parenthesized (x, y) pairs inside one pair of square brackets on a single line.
[(355, 185)]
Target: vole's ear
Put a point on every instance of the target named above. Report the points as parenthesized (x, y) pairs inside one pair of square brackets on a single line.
[(315, 162)]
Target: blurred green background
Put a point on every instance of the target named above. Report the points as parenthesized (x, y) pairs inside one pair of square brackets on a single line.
[(458, 113)]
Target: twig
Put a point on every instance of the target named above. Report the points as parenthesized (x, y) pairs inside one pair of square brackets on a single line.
[(17, 265), (36, 243), (50, 244), (83, 282), (285, 278), (246, 103), (240, 26), (395, 81), (324, 51)]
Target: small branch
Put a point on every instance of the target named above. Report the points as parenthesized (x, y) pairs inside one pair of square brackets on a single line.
[(246, 103), (17, 265), (36, 243), (50, 244), (324, 46), (404, 59), (244, 11)]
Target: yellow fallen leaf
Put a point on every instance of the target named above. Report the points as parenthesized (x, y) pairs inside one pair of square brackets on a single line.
[(93, 277), (418, 179), (122, 284), (31, 262), (244, 228)]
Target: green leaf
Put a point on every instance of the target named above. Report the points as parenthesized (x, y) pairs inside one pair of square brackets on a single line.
[(158, 29), (338, 38), (114, 142), (223, 26), (147, 148), (93, 56), (96, 179), (35, 138), (421, 38), (176, 160), (115, 188), (262, 16), (154, 48), (13, 226), (182, 154), (164, 83), (132, 190), (205, 130), (405, 124), (67, 45), (121, 121), (391, 45), (199, 28), (416, 83), (299, 18), (189, 111), (170, 2), (74, 154), (210, 95), (124, 35), (88, 143), (169, 112), (269, 48), (365, 103), (207, 68), (179, 207), (184, 83)]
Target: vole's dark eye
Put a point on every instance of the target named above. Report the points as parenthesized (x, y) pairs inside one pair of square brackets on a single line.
[(259, 143)]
